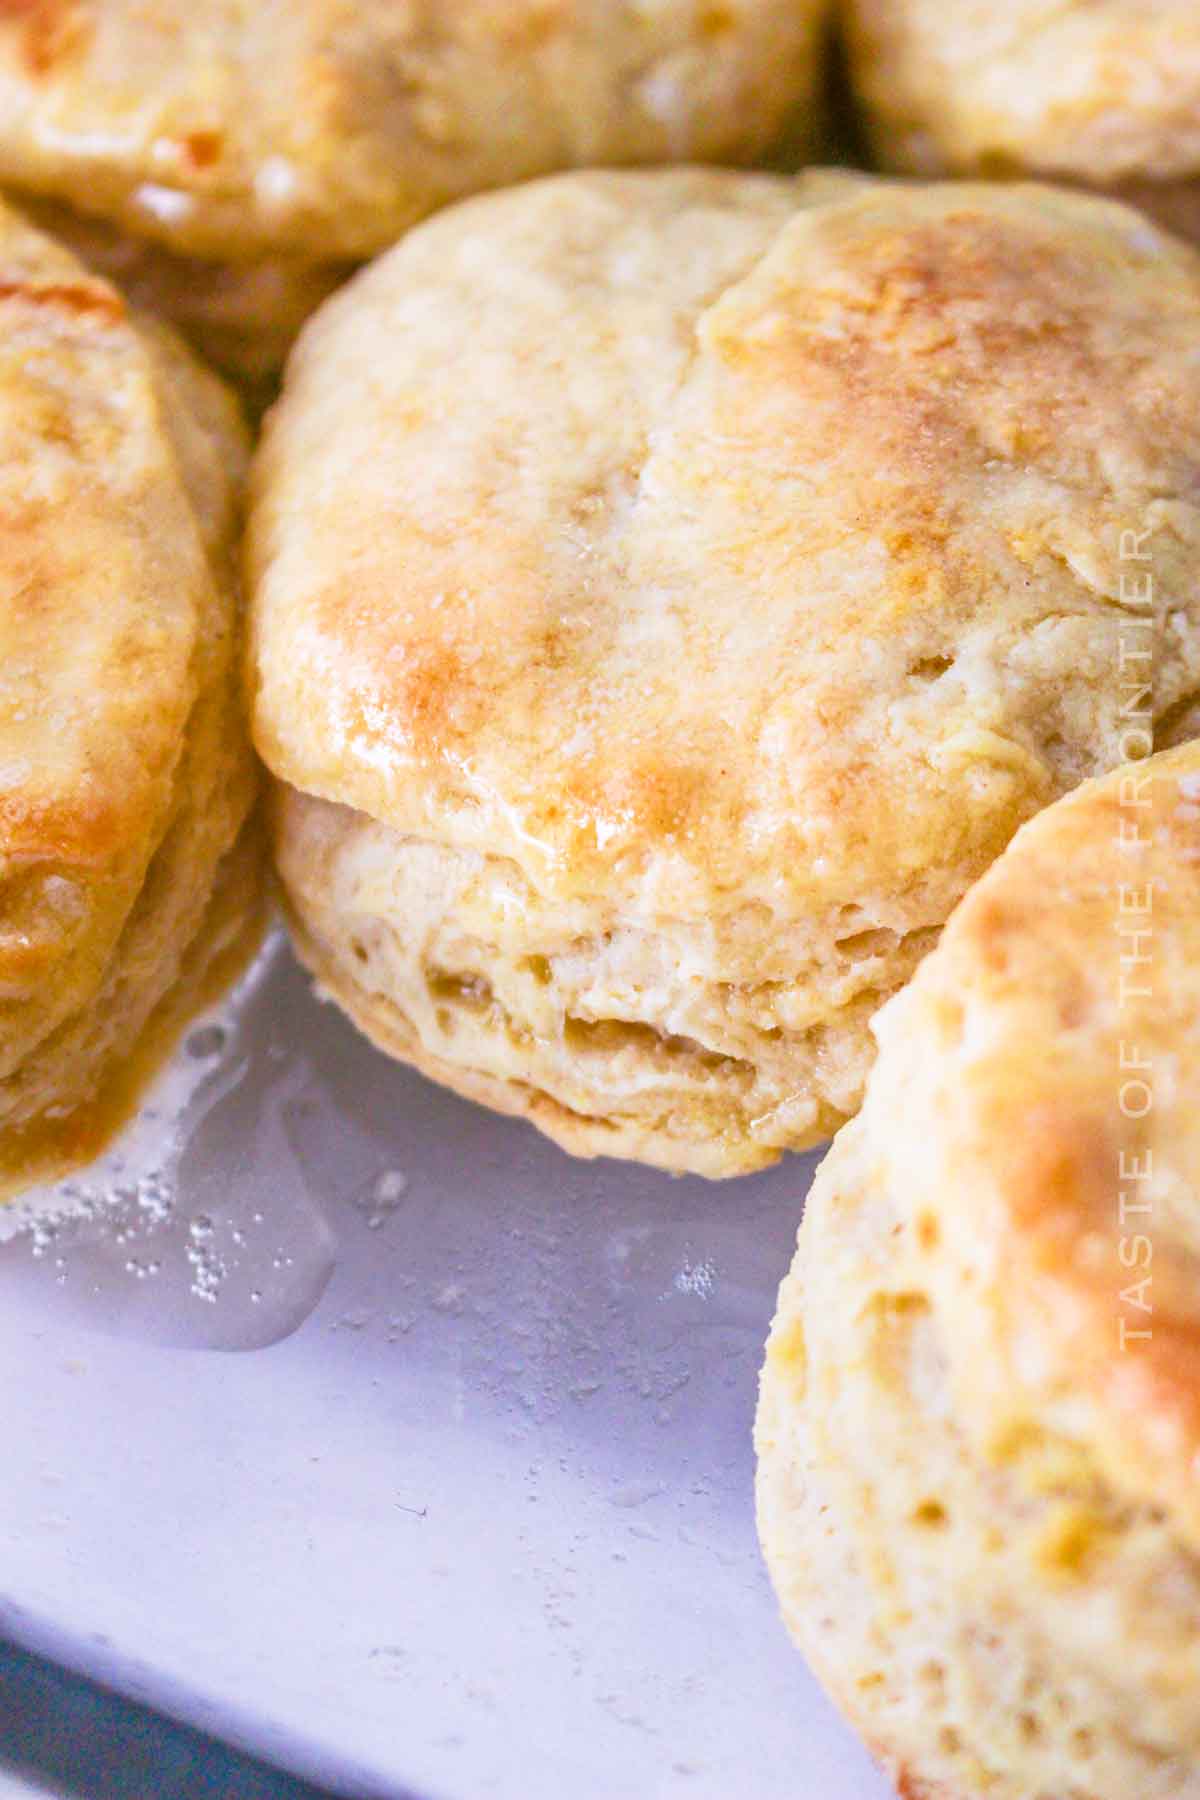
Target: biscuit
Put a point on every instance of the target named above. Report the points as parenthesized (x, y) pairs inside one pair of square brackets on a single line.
[(241, 317), (1103, 94), (125, 771), (282, 142), (979, 1423), (670, 592)]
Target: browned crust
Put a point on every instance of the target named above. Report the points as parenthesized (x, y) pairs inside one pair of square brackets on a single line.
[(326, 129), (1042, 1132)]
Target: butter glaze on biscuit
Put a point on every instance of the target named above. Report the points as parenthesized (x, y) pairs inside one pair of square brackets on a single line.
[(672, 591), (979, 1425)]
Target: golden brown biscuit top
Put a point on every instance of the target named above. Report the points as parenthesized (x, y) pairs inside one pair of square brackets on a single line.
[(104, 587), (709, 539), (1101, 90), (1046, 1066), (326, 127)]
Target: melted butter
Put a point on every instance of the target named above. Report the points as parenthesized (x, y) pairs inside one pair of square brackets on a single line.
[(197, 1226), (53, 1145)]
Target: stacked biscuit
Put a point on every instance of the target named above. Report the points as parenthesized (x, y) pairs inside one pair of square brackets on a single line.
[(687, 609), (710, 575), (127, 871)]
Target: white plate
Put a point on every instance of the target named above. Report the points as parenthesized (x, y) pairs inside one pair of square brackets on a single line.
[(460, 1505)]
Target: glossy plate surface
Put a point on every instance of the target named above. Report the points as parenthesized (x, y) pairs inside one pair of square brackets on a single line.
[(371, 1433)]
